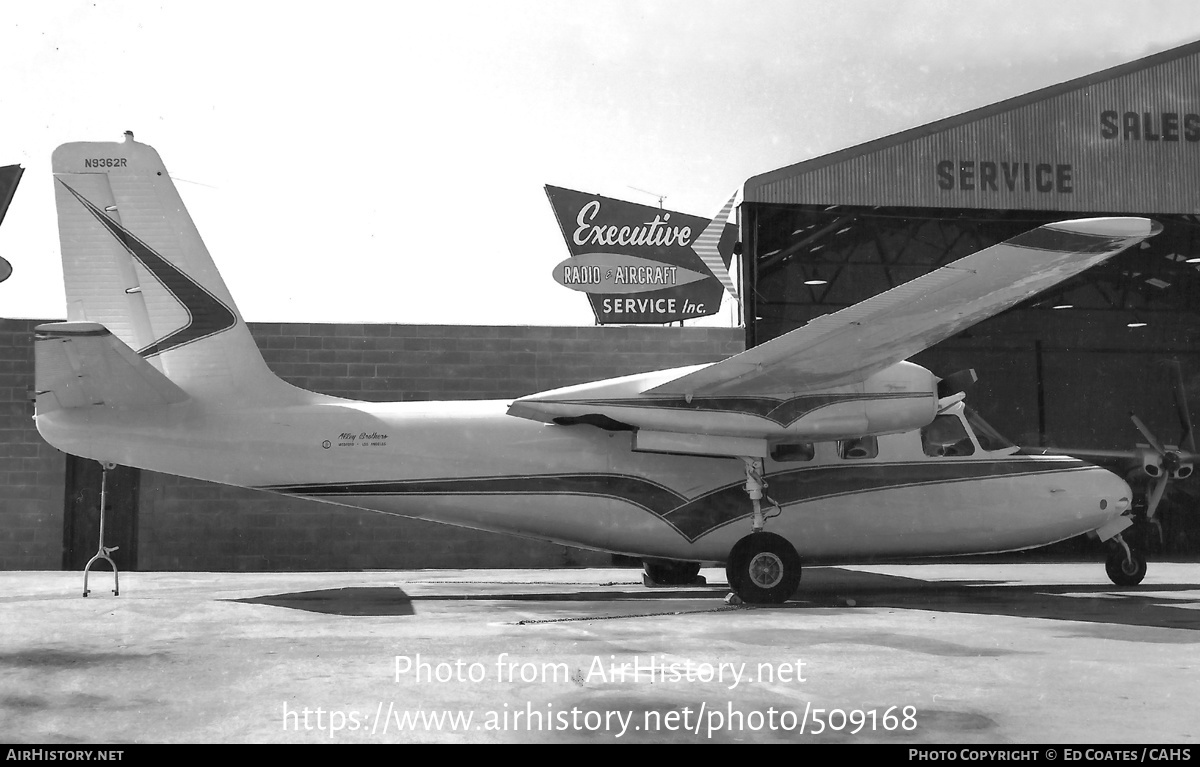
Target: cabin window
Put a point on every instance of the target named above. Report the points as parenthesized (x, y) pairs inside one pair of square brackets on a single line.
[(861, 447), (946, 436), (793, 451)]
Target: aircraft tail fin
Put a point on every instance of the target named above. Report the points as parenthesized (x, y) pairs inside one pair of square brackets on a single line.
[(135, 264), (82, 364)]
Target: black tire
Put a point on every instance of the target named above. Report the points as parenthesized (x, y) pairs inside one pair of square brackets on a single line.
[(763, 569), (731, 577), (1125, 572), (666, 572)]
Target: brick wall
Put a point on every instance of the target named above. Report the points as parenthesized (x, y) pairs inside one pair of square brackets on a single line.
[(190, 525), (31, 472)]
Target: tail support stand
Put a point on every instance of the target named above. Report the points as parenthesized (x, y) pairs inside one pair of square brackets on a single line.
[(102, 552)]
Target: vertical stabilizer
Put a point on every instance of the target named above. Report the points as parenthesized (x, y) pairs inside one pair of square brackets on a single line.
[(134, 262)]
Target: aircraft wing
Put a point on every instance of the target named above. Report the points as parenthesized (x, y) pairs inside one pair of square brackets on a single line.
[(850, 345), (820, 381), (80, 364)]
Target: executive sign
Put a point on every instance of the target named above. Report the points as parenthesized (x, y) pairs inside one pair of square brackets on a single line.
[(640, 264)]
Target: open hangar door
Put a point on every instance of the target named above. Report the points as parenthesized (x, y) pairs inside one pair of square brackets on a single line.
[(1110, 326), (1068, 367), (1064, 369)]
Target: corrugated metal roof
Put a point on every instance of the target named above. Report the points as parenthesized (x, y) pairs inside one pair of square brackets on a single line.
[(1126, 139)]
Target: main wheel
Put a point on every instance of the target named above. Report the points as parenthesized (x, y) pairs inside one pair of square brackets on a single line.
[(1123, 571), (666, 572), (763, 569)]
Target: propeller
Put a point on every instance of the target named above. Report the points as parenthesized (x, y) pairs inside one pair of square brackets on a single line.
[(1173, 463), (956, 382)]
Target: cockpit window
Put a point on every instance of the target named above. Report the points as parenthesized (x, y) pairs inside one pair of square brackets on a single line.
[(862, 447), (793, 451), (989, 439), (946, 436)]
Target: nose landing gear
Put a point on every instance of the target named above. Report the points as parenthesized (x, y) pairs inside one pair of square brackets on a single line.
[(1125, 565)]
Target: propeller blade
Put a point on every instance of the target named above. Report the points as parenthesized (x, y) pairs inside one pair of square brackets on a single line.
[(1154, 443), (956, 382), (1188, 438), (1156, 495)]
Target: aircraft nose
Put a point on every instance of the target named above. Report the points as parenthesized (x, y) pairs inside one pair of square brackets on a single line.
[(1114, 492)]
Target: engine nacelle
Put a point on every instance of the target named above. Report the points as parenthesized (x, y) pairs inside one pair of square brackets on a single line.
[(902, 397)]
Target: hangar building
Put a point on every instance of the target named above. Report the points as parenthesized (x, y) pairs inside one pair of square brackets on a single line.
[(1067, 367)]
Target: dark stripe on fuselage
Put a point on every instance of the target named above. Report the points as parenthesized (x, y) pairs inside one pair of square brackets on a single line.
[(696, 517), (651, 496), (207, 315), (782, 412), (702, 515)]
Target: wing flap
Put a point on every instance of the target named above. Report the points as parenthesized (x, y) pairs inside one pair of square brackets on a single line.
[(850, 345), (82, 364)]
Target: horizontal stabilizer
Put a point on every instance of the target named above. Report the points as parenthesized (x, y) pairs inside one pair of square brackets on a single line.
[(82, 364)]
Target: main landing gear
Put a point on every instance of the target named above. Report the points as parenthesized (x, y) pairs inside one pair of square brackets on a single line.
[(763, 568)]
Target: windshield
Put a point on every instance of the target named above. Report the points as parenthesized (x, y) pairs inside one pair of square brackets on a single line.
[(989, 439)]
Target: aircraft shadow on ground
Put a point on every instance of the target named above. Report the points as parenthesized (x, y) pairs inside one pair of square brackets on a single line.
[(363, 600), (822, 588), (1143, 606)]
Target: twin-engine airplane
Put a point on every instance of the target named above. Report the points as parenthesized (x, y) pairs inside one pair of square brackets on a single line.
[(823, 444)]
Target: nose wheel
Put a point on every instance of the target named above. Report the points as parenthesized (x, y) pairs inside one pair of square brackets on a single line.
[(1125, 565)]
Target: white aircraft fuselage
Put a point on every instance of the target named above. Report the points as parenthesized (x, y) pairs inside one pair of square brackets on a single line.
[(471, 464)]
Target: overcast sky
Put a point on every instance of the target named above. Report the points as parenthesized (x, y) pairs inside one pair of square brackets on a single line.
[(385, 161)]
